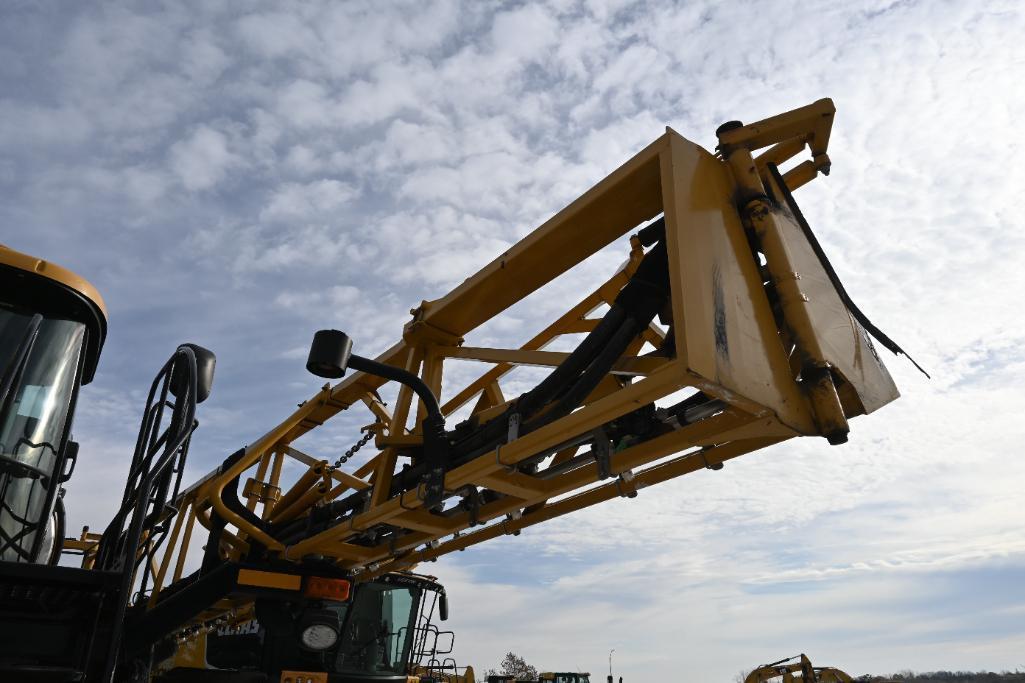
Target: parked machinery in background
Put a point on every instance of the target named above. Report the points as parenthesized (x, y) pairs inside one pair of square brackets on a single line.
[(797, 669)]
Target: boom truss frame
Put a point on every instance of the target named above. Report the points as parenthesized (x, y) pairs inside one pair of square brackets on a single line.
[(755, 330)]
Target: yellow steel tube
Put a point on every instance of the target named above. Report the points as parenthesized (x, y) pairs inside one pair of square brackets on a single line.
[(569, 322), (183, 550), (654, 475), (261, 472), (635, 395), (827, 410), (310, 479), (627, 459), (300, 504), (385, 466), (165, 562), (253, 453), (278, 459)]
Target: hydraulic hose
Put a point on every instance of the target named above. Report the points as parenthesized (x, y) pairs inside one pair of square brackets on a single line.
[(530, 402), (581, 357), (590, 378), (642, 297), (562, 391), (401, 376), (635, 306)]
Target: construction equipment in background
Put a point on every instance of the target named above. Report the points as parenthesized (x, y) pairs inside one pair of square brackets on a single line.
[(756, 342), (564, 677), (796, 669)]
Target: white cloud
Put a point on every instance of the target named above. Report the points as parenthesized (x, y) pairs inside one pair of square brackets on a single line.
[(306, 104), (203, 159), (277, 34), (524, 33), (33, 124), (333, 296), (297, 202)]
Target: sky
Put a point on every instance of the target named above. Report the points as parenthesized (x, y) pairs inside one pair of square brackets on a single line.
[(239, 175)]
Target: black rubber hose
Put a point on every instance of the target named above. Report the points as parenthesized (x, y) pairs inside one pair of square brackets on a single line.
[(633, 309), (581, 357), (652, 232), (401, 376), (530, 402), (590, 378), (645, 295), (470, 448)]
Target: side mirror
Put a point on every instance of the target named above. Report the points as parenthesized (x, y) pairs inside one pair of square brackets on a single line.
[(205, 362), (70, 460), (443, 607), (329, 354)]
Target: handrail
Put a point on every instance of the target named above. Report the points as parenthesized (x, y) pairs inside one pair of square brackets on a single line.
[(155, 454)]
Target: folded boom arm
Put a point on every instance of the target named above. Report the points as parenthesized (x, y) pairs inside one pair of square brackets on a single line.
[(722, 334)]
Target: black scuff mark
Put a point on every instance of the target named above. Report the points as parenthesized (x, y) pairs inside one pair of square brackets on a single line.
[(722, 344)]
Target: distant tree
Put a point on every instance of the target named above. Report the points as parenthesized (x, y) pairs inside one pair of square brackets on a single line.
[(907, 676), (513, 665)]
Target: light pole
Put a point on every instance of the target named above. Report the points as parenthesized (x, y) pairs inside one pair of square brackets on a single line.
[(610, 664)]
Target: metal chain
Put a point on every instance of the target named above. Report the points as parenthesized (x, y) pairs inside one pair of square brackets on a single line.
[(355, 447)]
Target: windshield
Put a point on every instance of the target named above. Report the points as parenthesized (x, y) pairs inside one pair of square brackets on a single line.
[(32, 421), (377, 635)]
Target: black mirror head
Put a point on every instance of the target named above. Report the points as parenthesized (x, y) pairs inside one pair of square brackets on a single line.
[(443, 607), (329, 354), (205, 363), (70, 460)]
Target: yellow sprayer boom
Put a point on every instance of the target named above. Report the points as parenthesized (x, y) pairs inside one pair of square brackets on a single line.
[(725, 331), (724, 284)]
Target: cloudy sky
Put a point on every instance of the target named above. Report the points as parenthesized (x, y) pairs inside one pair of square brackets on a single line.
[(240, 175)]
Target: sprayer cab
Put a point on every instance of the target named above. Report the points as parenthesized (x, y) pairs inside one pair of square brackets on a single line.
[(52, 327)]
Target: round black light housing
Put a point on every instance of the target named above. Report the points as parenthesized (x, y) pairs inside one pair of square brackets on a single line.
[(329, 354), (318, 629), (727, 127)]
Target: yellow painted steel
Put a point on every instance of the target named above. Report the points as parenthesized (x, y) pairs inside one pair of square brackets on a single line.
[(421, 673), (74, 297), (771, 343), (31, 264), (254, 577), (303, 677)]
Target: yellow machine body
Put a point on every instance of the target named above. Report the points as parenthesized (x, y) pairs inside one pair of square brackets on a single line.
[(423, 673), (47, 285), (12, 258)]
